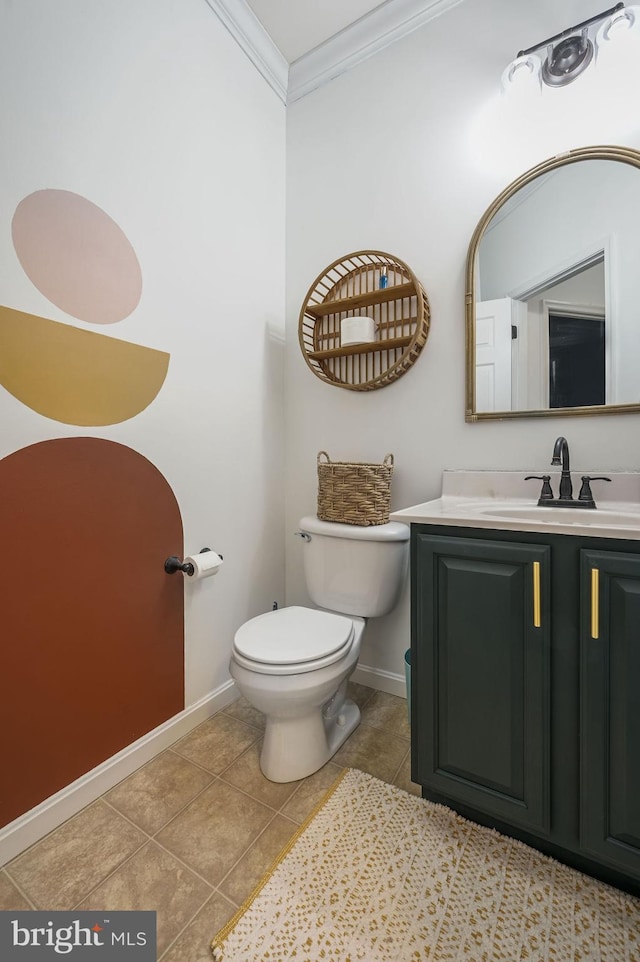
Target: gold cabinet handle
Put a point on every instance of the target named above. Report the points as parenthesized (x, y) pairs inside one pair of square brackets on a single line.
[(595, 603), (537, 620)]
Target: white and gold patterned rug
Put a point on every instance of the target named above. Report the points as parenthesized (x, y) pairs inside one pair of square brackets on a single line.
[(377, 875)]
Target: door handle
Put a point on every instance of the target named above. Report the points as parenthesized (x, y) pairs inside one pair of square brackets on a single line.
[(537, 615), (595, 603)]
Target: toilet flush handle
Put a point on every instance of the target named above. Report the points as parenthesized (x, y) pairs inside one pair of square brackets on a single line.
[(303, 535)]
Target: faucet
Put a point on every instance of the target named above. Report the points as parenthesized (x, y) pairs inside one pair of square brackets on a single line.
[(561, 451), (565, 497)]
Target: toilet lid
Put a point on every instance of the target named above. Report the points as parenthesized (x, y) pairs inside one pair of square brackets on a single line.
[(293, 635)]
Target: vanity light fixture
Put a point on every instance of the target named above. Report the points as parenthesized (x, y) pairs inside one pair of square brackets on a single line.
[(569, 53)]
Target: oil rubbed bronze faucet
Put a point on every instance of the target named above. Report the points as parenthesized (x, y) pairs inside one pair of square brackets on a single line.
[(565, 497), (561, 451)]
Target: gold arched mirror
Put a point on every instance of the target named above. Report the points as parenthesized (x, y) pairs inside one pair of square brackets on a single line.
[(553, 291)]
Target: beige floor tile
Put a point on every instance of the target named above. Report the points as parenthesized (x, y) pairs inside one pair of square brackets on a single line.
[(311, 792), (388, 712), (10, 898), (217, 742), (403, 778), (244, 877), (155, 793), (213, 831), (243, 711), (154, 881), (373, 750), (360, 694), (245, 773), (213, 814), (193, 944), (59, 871)]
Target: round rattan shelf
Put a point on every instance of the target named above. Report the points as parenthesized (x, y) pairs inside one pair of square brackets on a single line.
[(352, 287)]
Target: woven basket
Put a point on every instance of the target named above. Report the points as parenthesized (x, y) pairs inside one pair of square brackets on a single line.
[(354, 493)]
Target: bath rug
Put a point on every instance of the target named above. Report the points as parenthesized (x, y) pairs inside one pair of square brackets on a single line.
[(378, 875)]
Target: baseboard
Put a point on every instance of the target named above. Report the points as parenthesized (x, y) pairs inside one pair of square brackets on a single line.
[(380, 680), (52, 812)]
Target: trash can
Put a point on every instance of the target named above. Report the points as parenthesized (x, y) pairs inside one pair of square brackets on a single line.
[(407, 675)]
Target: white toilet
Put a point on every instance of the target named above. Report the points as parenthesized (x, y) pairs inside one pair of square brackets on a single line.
[(293, 664)]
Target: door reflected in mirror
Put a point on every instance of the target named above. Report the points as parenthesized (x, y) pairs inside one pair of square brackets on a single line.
[(553, 289)]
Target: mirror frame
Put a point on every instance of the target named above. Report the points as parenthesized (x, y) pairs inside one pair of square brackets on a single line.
[(626, 155)]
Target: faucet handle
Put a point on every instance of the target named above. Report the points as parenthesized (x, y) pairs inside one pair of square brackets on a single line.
[(585, 490), (546, 494)]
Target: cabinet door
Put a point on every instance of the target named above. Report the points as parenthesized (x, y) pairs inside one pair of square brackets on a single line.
[(610, 708), (481, 657)]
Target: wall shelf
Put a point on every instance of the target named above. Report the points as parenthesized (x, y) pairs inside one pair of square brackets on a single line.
[(350, 287), (390, 344), (361, 300)]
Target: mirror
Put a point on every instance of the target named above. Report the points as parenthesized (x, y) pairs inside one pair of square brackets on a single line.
[(553, 291)]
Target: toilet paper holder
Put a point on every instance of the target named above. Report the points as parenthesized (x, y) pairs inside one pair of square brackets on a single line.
[(173, 564)]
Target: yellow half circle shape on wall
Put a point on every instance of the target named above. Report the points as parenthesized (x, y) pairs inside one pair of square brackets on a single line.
[(76, 376)]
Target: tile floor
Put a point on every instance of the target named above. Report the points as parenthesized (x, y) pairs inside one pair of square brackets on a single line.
[(191, 832)]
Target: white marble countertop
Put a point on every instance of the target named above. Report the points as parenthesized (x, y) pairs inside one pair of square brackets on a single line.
[(503, 500)]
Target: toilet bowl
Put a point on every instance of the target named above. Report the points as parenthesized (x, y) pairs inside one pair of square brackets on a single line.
[(293, 664)]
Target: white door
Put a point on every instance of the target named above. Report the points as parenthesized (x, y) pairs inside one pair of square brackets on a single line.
[(493, 355)]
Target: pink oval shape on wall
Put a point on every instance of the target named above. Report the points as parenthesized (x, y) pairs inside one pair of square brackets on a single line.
[(77, 256)]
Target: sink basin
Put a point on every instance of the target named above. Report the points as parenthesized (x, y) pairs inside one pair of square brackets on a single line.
[(593, 517)]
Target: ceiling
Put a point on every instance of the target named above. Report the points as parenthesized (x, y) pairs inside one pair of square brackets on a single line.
[(297, 26)]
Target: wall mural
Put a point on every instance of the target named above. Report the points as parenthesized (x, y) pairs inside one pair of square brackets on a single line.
[(81, 261), (77, 256), (75, 376), (92, 627)]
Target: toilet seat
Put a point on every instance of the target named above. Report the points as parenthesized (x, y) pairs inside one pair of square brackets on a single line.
[(293, 640)]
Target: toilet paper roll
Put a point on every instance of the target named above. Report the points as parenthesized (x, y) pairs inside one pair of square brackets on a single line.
[(204, 564), (357, 330)]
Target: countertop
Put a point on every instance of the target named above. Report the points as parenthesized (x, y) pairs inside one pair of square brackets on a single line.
[(503, 500)]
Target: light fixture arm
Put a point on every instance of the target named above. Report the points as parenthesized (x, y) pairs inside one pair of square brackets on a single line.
[(572, 30)]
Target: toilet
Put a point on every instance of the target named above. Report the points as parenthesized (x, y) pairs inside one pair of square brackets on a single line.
[(293, 663)]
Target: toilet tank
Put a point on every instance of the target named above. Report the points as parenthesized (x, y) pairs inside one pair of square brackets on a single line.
[(355, 570)]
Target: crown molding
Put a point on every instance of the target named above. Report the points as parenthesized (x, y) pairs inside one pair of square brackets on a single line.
[(386, 24), (245, 28)]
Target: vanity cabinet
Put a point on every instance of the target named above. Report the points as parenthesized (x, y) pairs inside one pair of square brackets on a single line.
[(483, 660), (610, 708), (526, 688)]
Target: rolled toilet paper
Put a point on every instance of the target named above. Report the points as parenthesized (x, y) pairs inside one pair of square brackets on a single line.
[(357, 330), (204, 564)]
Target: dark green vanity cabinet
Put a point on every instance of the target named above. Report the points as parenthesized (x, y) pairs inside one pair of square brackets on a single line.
[(610, 693), (526, 688), (485, 666)]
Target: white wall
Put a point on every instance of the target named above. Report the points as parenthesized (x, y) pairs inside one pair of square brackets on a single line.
[(404, 154), (151, 111)]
